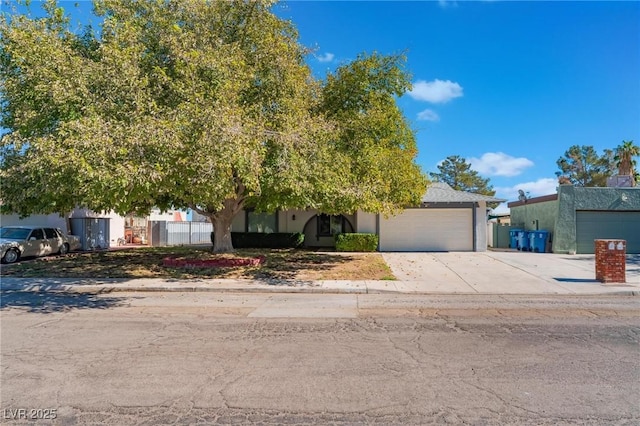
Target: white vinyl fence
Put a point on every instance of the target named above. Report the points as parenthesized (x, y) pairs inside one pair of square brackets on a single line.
[(163, 233)]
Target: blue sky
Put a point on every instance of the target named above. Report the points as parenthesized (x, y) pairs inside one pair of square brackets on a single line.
[(508, 85)]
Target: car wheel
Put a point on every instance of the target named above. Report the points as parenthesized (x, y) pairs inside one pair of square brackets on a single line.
[(11, 256), (64, 249)]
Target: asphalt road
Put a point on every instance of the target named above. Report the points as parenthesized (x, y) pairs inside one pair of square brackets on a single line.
[(211, 358)]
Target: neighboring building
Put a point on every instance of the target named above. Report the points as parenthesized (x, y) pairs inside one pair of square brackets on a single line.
[(498, 228), (136, 228), (96, 230), (576, 216)]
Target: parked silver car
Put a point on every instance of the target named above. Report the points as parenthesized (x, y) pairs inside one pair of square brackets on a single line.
[(24, 241)]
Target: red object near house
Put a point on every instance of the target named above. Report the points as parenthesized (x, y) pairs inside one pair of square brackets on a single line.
[(212, 263), (611, 258)]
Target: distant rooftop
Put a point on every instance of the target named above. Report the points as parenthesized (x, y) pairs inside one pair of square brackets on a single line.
[(440, 192)]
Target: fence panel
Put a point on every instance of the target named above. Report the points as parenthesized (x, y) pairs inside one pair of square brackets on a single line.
[(180, 233), (201, 232)]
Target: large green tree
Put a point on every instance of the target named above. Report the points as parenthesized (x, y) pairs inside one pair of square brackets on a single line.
[(582, 166), (206, 105), (457, 173)]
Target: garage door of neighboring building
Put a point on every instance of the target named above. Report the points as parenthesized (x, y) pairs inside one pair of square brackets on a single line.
[(428, 230), (592, 225)]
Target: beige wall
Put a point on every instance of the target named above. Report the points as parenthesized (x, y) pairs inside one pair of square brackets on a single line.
[(366, 222), (49, 220), (481, 226), (294, 220)]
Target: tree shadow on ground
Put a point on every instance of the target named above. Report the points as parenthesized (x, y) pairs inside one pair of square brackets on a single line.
[(51, 302), (279, 265), (291, 265)]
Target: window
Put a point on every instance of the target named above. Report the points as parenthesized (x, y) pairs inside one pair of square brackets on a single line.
[(37, 234), (50, 233), (262, 222), (329, 225), (14, 233)]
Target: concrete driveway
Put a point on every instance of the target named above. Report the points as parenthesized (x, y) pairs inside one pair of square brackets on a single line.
[(506, 272)]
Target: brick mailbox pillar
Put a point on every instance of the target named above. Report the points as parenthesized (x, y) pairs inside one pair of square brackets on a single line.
[(611, 261)]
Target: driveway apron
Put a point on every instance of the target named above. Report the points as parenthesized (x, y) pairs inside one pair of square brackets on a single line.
[(492, 272)]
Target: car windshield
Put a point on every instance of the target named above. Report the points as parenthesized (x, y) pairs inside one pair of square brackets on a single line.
[(14, 233)]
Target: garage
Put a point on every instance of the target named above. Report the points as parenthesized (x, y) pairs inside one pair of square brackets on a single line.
[(592, 225), (428, 229)]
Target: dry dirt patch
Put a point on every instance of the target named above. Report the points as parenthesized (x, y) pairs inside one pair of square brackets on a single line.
[(147, 262)]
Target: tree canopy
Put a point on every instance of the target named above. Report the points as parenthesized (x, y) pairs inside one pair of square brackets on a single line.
[(192, 104), (582, 166), (457, 173)]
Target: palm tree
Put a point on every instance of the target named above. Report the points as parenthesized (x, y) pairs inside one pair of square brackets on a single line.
[(624, 158)]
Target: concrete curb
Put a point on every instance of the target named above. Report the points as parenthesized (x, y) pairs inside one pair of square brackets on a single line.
[(101, 288)]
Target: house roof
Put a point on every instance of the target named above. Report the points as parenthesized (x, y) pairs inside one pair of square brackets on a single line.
[(440, 192), (542, 199)]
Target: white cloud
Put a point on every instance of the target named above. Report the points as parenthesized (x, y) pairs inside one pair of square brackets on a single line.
[(436, 91), (501, 208), (499, 164), (428, 115), (327, 57), (538, 188)]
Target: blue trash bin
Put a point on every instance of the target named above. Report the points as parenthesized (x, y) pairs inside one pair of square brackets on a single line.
[(513, 238), (523, 241), (538, 241)]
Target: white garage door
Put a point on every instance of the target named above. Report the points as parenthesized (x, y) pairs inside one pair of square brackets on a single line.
[(428, 230)]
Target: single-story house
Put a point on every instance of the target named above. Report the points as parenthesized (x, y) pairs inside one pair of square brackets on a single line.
[(576, 216), (446, 220)]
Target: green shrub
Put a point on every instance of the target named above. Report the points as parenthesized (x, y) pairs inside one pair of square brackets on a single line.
[(356, 242), (262, 240)]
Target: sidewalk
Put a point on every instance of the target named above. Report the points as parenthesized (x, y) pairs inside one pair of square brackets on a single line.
[(489, 273)]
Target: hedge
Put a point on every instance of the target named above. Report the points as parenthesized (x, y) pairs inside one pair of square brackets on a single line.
[(262, 240), (356, 242)]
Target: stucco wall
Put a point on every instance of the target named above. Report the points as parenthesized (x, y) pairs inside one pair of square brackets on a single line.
[(366, 222), (481, 227), (528, 216), (294, 220), (572, 198), (49, 220)]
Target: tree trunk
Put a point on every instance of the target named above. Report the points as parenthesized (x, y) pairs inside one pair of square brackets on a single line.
[(222, 233), (221, 221)]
